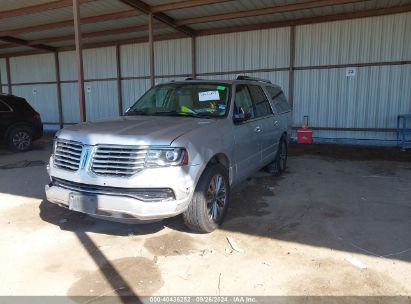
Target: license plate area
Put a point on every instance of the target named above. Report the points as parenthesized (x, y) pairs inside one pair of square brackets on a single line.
[(83, 203)]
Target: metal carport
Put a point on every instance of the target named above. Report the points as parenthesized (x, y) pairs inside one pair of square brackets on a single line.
[(305, 46)]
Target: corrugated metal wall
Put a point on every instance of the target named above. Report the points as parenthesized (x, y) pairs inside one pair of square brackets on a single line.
[(134, 63), (238, 52), (376, 39), (100, 72), (34, 76), (43, 98), (172, 58), (370, 99), (244, 51), (374, 96)]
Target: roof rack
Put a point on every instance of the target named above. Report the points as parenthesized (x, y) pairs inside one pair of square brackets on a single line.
[(192, 78), (243, 77)]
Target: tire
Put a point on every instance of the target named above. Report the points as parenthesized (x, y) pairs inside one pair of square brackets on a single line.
[(20, 139), (279, 164), (205, 211)]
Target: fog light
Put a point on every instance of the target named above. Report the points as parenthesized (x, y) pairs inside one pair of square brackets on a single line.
[(155, 195)]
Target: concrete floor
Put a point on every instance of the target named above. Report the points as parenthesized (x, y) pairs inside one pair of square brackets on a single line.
[(308, 232)]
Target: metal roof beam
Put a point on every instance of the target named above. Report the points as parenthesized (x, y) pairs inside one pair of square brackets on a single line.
[(265, 11), (69, 23), (93, 19), (129, 29), (38, 8), (171, 36), (183, 4), (311, 20), (22, 42), (8, 45), (147, 9)]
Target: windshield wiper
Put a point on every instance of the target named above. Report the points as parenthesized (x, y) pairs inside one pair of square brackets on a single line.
[(175, 113)]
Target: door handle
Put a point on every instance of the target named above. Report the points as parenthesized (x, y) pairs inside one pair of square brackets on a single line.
[(257, 129), (276, 123)]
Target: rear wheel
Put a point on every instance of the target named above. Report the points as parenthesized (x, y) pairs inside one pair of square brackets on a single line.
[(210, 201), (20, 139), (279, 165)]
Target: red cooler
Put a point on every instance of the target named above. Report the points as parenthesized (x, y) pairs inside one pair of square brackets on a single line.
[(305, 136)]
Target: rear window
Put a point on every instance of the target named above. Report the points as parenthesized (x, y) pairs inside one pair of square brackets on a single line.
[(279, 100), (20, 105), (4, 107), (262, 107)]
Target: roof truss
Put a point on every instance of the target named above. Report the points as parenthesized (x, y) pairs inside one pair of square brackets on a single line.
[(140, 7), (160, 16)]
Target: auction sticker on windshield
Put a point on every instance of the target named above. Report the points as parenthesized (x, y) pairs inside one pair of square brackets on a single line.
[(208, 96)]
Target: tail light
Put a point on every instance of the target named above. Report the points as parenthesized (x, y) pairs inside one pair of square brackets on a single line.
[(36, 116)]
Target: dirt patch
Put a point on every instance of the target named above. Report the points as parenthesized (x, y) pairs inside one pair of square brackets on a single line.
[(174, 243), (23, 164), (248, 199), (350, 152), (270, 228), (346, 278), (384, 169), (123, 277), (327, 210)]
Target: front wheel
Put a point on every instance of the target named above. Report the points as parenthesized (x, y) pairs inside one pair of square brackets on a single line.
[(210, 201)]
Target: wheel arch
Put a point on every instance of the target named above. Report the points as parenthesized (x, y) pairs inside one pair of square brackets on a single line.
[(286, 136), (16, 125), (223, 159)]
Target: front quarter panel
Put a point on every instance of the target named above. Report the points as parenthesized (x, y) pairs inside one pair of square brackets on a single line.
[(204, 143)]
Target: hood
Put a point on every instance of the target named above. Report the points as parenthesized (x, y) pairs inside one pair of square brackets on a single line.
[(133, 130)]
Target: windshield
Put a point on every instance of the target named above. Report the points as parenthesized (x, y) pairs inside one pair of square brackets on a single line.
[(184, 99)]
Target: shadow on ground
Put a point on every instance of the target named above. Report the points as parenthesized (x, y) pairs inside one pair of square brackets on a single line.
[(325, 201), (80, 223)]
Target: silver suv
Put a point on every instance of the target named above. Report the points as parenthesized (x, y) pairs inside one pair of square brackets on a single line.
[(178, 149)]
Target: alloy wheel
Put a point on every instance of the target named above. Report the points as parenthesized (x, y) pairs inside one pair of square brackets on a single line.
[(216, 197), (21, 140)]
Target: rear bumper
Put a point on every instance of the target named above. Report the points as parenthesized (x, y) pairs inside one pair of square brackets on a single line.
[(38, 131), (118, 207)]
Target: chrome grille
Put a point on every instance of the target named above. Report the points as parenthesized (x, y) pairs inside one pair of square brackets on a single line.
[(67, 155), (118, 160)]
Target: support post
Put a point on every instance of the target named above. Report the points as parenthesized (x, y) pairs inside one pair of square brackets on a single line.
[(193, 57), (1, 84), (151, 48), (291, 71), (8, 75), (119, 87), (58, 83), (79, 59)]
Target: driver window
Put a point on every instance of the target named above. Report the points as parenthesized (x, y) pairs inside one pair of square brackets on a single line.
[(243, 101)]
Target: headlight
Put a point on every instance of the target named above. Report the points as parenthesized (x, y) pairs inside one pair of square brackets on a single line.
[(166, 157), (54, 144)]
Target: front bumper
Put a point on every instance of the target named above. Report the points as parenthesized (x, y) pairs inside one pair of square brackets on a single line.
[(119, 207), (114, 205)]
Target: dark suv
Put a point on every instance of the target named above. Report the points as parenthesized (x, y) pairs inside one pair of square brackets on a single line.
[(20, 124)]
